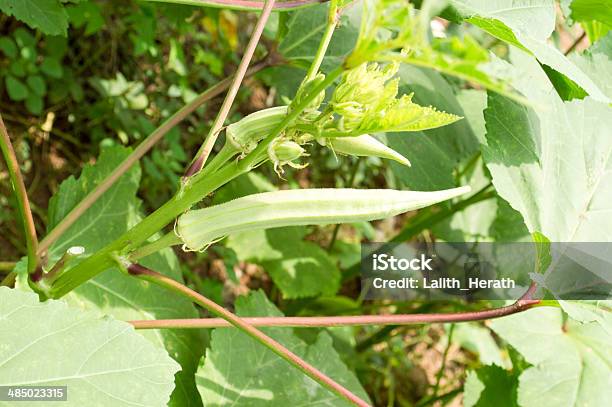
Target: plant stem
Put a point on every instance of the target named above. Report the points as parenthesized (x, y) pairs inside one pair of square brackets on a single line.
[(202, 155), (167, 240), (444, 398), (522, 304), (224, 155), (7, 265), (23, 203), (443, 364), (139, 152), (231, 319), (332, 21), (575, 43), (59, 266)]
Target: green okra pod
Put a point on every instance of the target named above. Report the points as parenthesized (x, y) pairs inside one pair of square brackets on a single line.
[(199, 228), (363, 146)]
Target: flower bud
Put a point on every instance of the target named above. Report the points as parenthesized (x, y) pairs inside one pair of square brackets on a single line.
[(285, 152), (363, 146), (366, 86)]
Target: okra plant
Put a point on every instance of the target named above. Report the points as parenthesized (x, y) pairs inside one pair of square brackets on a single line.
[(501, 142)]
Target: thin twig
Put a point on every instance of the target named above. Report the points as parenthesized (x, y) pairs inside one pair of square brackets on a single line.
[(202, 155), (21, 195), (7, 265), (524, 303), (139, 152), (575, 43), (443, 365), (240, 323)]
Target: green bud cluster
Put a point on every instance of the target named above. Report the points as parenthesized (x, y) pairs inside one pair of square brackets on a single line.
[(366, 102), (364, 91)]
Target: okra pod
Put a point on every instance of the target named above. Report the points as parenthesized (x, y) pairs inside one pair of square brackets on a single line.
[(199, 228), (363, 146)]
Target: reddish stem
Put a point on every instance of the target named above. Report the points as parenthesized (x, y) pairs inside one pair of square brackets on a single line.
[(352, 320)]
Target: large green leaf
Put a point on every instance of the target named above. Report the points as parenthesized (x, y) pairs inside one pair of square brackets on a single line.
[(299, 268), (572, 362), (551, 164), (239, 371), (102, 361), (47, 15), (114, 293), (528, 24)]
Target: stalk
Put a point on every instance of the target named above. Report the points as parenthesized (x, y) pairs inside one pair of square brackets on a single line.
[(7, 265), (233, 320), (167, 240), (23, 203), (223, 156), (332, 21), (335, 321)]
